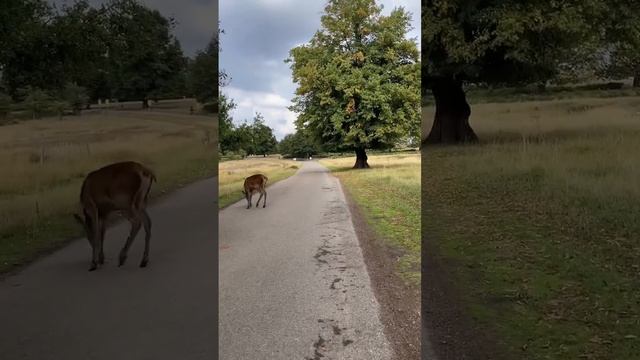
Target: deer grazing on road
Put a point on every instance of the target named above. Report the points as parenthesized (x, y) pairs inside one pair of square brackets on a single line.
[(255, 183), (121, 187)]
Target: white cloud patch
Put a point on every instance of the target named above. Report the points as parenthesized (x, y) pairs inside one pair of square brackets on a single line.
[(271, 105)]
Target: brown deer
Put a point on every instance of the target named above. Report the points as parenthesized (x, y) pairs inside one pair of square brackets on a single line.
[(121, 187), (255, 183)]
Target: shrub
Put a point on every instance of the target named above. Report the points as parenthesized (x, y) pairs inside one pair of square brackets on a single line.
[(75, 96)]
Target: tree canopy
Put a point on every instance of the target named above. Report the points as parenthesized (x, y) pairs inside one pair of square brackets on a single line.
[(358, 78), (204, 73), (622, 42), (499, 42), (120, 49)]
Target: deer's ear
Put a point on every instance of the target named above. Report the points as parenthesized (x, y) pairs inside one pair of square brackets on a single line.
[(78, 219)]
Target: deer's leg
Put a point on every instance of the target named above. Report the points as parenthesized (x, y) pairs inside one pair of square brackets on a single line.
[(103, 228), (95, 244), (259, 198), (264, 203), (135, 228), (249, 198), (146, 221)]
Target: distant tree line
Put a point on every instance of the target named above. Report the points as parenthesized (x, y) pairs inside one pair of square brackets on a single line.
[(69, 56), (299, 144), (255, 138)]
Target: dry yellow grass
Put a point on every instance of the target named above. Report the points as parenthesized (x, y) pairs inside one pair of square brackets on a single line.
[(45, 161), (231, 175), (550, 119), (589, 143)]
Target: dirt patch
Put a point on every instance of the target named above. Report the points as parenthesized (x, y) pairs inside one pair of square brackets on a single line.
[(451, 332), (399, 302)]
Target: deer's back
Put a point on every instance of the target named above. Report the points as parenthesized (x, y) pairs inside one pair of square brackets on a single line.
[(255, 182), (115, 186)]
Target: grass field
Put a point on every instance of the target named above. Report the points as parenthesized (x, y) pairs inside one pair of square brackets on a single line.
[(389, 195), (45, 161), (231, 175), (528, 94), (540, 224)]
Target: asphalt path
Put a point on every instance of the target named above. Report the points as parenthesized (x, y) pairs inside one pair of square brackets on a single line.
[(293, 283), (55, 309)]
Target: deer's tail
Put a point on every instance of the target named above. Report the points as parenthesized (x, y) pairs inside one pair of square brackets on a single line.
[(147, 177)]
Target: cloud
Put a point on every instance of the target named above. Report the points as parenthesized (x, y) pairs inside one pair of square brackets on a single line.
[(270, 104)]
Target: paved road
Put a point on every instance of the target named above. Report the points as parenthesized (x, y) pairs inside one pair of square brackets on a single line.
[(293, 284), (55, 309)]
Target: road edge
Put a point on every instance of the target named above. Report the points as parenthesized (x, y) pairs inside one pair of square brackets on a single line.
[(450, 329), (399, 303)]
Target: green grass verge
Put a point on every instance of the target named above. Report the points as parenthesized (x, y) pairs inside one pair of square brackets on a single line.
[(389, 195), (542, 240)]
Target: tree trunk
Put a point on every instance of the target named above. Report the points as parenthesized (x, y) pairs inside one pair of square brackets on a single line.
[(636, 79), (451, 122), (361, 159), (145, 103)]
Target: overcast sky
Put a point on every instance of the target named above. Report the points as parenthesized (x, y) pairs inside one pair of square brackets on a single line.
[(258, 37), (196, 19)]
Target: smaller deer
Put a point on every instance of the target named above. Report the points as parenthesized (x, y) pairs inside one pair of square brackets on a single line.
[(121, 187), (255, 183)]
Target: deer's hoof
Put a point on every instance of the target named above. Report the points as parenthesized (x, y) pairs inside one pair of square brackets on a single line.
[(144, 263), (122, 261), (93, 267)]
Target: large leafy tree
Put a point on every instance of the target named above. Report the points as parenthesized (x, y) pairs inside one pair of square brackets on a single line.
[(80, 40), (226, 129), (499, 42), (622, 37), (204, 72), (17, 19), (144, 56), (262, 139), (27, 47), (358, 78)]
